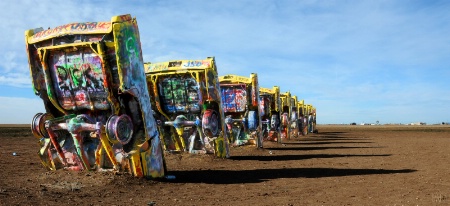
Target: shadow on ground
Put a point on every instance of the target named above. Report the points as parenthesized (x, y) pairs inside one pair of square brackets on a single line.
[(316, 148), (301, 157), (315, 142), (261, 175)]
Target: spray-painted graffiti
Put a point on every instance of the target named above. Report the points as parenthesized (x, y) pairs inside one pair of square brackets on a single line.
[(111, 58), (234, 99), (213, 84), (255, 91), (196, 63), (254, 96), (73, 28), (186, 64), (98, 106), (36, 72), (156, 67), (180, 95), (132, 80), (130, 62), (264, 108), (78, 80), (133, 76), (188, 104)]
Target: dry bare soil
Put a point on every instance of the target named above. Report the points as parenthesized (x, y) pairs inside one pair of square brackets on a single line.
[(341, 165)]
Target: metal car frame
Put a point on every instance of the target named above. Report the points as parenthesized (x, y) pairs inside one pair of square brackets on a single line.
[(270, 113), (294, 115), (301, 108), (240, 102), (313, 111), (186, 100), (90, 77), (286, 110)]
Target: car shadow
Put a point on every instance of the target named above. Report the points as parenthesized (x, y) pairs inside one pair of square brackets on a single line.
[(313, 142), (327, 137), (332, 133), (316, 148), (301, 157), (262, 175)]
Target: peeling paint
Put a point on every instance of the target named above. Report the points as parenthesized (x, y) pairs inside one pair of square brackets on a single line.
[(98, 115)]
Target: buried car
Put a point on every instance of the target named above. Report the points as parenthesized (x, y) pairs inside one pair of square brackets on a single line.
[(186, 100), (294, 115), (270, 113), (240, 101), (286, 110), (90, 77)]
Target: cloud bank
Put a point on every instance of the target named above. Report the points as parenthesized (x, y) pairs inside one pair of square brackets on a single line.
[(362, 61)]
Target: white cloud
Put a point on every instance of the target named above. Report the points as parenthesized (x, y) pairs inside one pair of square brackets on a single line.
[(15, 79), (349, 59)]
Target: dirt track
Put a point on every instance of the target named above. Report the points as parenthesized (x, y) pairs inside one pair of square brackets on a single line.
[(342, 165)]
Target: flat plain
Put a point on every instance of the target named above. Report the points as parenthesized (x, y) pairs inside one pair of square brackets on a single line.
[(341, 165)]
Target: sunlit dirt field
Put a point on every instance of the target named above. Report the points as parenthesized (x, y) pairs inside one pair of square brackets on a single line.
[(341, 165)]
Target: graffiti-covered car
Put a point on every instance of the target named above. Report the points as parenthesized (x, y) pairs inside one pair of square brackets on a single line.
[(314, 116), (301, 108), (90, 77), (270, 113), (285, 114), (240, 101), (186, 100), (294, 117), (311, 117)]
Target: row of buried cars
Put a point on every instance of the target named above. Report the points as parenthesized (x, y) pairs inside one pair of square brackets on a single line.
[(107, 110)]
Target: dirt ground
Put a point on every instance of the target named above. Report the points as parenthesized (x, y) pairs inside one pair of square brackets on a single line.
[(341, 165)]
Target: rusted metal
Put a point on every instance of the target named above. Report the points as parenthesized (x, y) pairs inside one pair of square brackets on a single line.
[(241, 103), (186, 99), (90, 77)]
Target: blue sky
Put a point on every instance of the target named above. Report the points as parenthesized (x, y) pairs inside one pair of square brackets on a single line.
[(355, 61)]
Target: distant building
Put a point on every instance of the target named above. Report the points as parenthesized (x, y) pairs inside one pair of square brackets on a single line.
[(418, 123)]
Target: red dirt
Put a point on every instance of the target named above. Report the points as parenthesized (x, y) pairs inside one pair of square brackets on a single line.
[(342, 165)]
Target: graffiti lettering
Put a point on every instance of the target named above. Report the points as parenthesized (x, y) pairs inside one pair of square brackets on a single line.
[(192, 64), (175, 64), (196, 63), (74, 28), (157, 67), (131, 45)]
